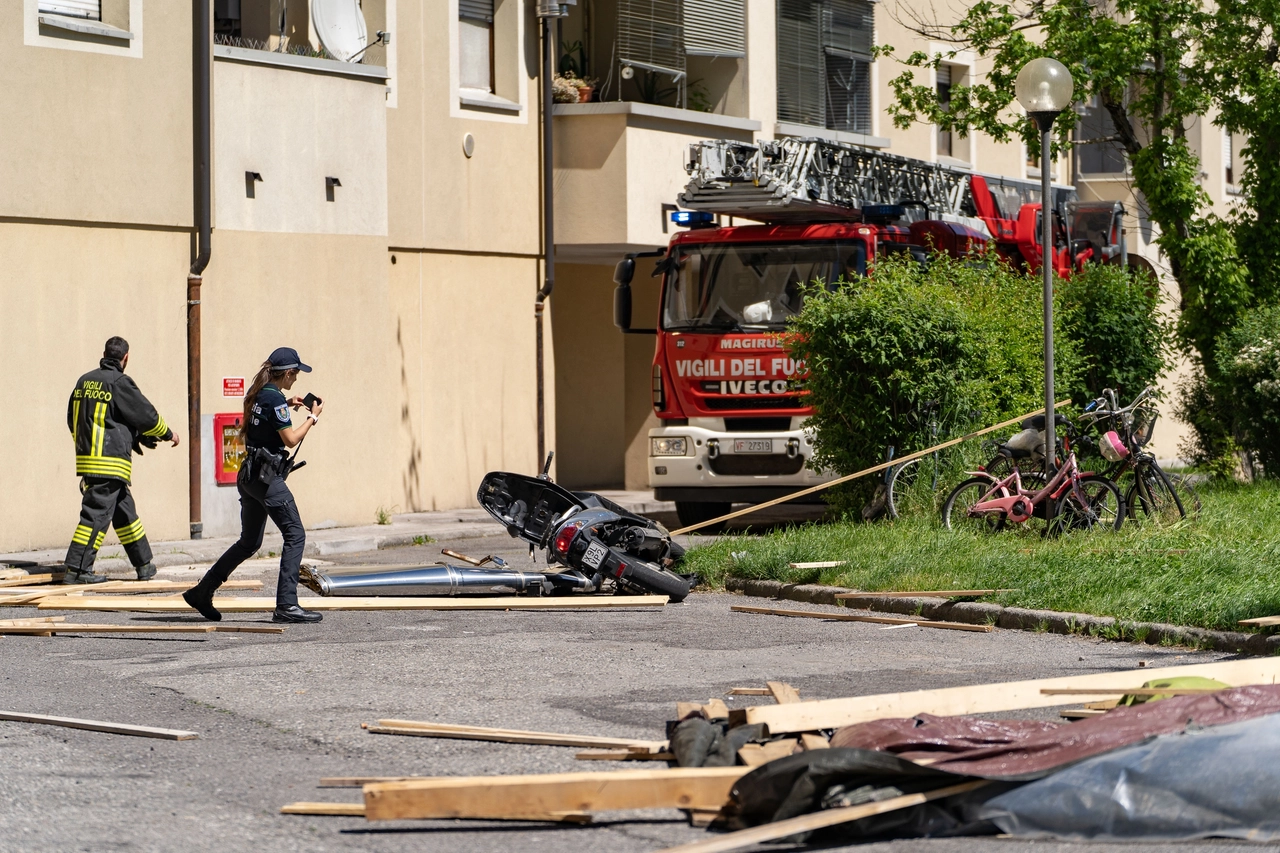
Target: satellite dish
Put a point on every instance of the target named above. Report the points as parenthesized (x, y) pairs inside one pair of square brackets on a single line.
[(340, 26)]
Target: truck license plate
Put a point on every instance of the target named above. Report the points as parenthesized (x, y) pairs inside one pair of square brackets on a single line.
[(753, 445), (595, 555)]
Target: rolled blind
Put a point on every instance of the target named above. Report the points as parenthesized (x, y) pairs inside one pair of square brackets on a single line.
[(651, 35), (476, 10), (848, 27), (91, 9), (800, 65), (715, 28)]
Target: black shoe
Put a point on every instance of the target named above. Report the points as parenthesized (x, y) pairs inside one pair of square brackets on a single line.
[(202, 603), (147, 572), (294, 613), (76, 576)]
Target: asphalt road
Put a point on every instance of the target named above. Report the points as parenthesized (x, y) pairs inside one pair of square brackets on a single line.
[(275, 713)]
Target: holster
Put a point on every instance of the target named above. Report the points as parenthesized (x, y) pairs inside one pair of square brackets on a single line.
[(265, 466)]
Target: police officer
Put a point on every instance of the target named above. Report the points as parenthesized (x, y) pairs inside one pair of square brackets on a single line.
[(109, 419), (268, 431)]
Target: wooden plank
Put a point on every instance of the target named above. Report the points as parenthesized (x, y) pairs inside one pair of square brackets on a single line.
[(817, 820), (1262, 621), (525, 797), (98, 726), (857, 617), (755, 754), (34, 620), (248, 629), (931, 593), (446, 730), (783, 694), (826, 564), (1080, 713), (1132, 691), (623, 755), (75, 628), (811, 740), (987, 698), (30, 580), (144, 604), (325, 809), (748, 691)]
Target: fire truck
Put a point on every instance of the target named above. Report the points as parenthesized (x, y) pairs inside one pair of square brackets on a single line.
[(733, 429)]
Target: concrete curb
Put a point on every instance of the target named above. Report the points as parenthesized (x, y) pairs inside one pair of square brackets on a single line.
[(1017, 618)]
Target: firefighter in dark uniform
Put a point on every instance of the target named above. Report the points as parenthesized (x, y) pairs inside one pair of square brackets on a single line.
[(268, 432), (109, 418)]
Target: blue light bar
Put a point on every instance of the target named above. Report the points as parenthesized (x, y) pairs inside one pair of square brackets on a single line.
[(692, 217), (883, 211)]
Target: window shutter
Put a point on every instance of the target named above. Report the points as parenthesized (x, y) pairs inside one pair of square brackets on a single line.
[(91, 9), (476, 10), (715, 28), (800, 62), (944, 75), (650, 35), (848, 94), (848, 27)]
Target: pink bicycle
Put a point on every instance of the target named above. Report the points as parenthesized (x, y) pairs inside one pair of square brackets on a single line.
[(1081, 500)]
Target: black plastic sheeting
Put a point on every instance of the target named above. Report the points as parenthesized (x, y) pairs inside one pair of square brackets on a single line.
[(1217, 782)]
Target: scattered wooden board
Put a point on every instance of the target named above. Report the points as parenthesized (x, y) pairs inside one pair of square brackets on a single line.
[(808, 822), (783, 694), (818, 714), (930, 593), (857, 617), (623, 755), (446, 730), (1262, 621), (98, 726), (325, 809), (755, 754), (1080, 713), (748, 691), (713, 709), (1131, 691), (76, 628), (530, 797), (825, 564), (34, 620), (31, 580), (810, 740), (144, 604), (248, 629)]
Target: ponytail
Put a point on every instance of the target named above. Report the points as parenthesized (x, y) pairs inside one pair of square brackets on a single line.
[(265, 374)]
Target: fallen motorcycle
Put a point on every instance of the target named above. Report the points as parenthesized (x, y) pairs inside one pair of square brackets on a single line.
[(598, 542)]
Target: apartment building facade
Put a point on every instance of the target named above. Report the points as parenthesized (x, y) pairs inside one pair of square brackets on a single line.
[(383, 216)]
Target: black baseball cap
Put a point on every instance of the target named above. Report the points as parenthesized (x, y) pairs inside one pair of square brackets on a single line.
[(286, 358)]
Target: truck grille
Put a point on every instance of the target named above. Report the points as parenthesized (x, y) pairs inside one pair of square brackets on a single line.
[(757, 424), (753, 465), (721, 404)]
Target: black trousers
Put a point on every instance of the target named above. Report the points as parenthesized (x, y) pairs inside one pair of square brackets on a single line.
[(258, 502), (106, 503)]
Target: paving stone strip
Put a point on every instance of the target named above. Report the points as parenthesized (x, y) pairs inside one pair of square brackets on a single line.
[(978, 613)]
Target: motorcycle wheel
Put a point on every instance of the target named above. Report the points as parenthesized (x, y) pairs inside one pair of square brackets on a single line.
[(657, 580)]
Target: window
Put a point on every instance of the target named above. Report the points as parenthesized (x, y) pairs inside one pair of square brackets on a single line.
[(1097, 152), (88, 9), (944, 99), (657, 38), (1228, 157), (824, 63), (475, 44)]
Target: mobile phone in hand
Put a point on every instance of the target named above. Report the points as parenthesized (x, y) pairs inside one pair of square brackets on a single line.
[(310, 400)]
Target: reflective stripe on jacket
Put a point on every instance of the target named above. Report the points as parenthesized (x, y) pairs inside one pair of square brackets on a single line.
[(106, 413)]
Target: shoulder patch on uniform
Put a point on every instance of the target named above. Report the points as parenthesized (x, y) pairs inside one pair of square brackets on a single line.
[(282, 412)]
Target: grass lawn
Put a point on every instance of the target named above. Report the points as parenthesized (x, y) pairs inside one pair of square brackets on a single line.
[(1208, 572)]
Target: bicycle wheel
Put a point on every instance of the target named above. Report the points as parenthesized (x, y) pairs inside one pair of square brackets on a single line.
[(912, 490), (1095, 503), (1182, 486), (1153, 498), (955, 511)]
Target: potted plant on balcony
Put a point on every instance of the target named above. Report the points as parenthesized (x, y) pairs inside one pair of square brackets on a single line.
[(586, 88), (564, 90)]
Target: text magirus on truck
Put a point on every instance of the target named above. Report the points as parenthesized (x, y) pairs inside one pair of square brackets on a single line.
[(732, 430)]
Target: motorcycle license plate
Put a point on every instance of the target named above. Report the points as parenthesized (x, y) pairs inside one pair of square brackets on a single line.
[(753, 445), (595, 555)]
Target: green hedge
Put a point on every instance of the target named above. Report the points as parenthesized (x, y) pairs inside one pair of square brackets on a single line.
[(968, 335)]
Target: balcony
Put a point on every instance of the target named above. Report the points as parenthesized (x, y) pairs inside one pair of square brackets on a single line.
[(619, 166)]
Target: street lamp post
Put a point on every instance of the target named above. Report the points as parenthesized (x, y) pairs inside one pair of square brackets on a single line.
[(1044, 89)]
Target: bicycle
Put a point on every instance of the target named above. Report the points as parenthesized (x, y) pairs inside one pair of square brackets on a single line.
[(901, 492), (1081, 500), (1154, 493)]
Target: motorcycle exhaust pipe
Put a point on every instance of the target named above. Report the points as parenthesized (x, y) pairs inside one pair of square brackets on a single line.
[(430, 580)]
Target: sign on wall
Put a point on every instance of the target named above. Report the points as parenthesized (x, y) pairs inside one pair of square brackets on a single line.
[(233, 386)]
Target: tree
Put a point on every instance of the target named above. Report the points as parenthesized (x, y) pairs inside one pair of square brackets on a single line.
[(1156, 66)]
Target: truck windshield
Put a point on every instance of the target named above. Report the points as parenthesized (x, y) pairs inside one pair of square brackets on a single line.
[(729, 286)]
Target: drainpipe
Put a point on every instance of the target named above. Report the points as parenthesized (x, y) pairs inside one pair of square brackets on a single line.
[(547, 9), (201, 82)]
